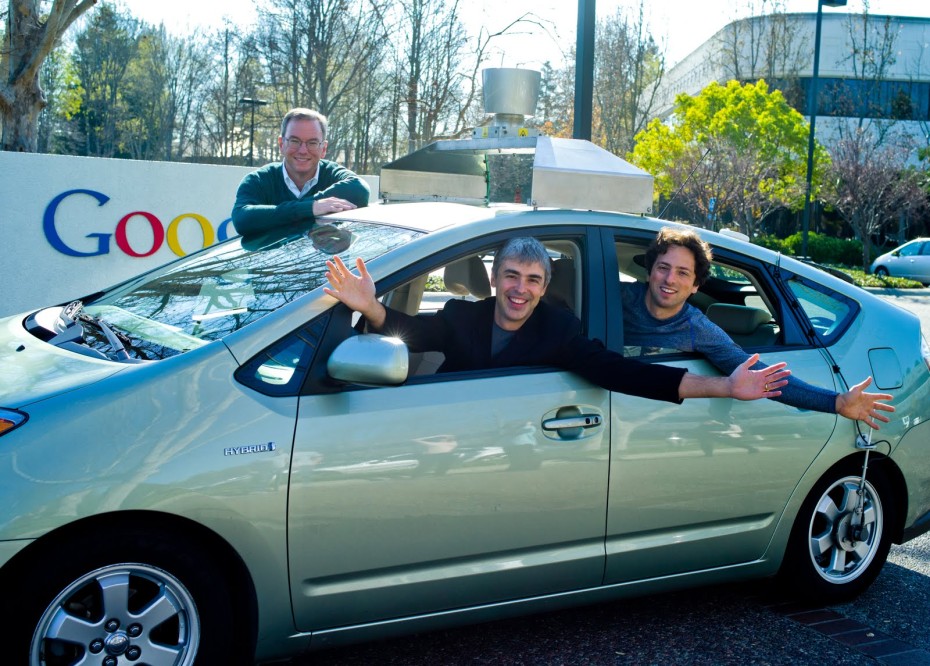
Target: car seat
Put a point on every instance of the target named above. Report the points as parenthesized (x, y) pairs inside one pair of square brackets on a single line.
[(748, 327)]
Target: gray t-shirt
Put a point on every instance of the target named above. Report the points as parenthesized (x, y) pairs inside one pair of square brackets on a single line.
[(691, 331)]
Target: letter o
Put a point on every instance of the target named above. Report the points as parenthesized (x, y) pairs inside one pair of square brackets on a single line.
[(122, 241), (205, 228)]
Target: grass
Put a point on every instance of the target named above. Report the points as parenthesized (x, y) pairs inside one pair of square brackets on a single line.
[(863, 279)]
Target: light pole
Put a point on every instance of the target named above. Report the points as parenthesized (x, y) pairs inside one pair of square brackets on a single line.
[(812, 114), (251, 101), (584, 70)]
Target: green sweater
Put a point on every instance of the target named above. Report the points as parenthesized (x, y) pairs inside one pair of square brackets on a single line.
[(263, 200)]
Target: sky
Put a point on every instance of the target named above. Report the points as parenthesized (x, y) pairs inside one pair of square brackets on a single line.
[(681, 25)]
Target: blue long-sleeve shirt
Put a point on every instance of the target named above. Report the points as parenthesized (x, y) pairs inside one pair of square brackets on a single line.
[(691, 331)]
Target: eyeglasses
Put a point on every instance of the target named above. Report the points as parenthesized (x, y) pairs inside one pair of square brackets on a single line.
[(293, 143)]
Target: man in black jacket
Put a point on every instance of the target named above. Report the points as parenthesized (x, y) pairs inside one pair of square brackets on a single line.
[(515, 328)]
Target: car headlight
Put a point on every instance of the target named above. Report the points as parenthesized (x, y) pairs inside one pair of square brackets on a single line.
[(10, 419)]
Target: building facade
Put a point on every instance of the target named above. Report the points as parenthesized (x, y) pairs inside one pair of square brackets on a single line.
[(874, 70)]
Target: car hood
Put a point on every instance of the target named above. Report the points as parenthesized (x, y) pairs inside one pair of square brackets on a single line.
[(32, 370)]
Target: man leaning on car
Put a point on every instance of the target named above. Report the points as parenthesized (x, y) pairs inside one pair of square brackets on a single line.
[(515, 328), (300, 188)]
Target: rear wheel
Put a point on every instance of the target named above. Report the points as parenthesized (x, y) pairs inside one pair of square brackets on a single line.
[(140, 598), (839, 544)]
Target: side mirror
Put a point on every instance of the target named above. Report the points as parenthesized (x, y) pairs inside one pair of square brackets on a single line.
[(370, 359)]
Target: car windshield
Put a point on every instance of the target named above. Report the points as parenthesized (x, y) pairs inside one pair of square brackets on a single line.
[(205, 297)]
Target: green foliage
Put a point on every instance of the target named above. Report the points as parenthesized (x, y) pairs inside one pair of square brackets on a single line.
[(863, 279), (843, 254), (826, 249), (741, 146), (435, 283)]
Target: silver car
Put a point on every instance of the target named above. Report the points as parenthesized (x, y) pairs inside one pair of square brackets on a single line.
[(215, 460), (911, 260)]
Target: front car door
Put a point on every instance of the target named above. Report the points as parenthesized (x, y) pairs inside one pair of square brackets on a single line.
[(446, 492)]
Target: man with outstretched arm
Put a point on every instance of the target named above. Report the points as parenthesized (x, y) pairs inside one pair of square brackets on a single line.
[(515, 328), (301, 187), (657, 314)]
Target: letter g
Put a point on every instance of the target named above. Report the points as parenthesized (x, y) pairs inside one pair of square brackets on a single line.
[(51, 233)]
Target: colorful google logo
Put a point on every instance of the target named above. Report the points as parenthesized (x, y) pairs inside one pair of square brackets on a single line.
[(160, 233)]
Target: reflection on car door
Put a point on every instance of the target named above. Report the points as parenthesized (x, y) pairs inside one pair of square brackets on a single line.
[(444, 494), (702, 484)]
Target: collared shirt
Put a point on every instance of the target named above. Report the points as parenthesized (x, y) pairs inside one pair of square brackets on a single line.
[(292, 186)]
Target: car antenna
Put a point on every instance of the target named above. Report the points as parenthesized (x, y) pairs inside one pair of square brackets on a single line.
[(678, 191)]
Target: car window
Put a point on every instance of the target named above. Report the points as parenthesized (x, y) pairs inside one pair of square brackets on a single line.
[(911, 249), (228, 286), (732, 298), (280, 369), (468, 278), (829, 313)]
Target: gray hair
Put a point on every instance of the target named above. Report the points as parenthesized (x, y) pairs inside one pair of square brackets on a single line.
[(523, 250), (301, 113)]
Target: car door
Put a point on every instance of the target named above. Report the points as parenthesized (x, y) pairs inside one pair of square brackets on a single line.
[(446, 492), (911, 262), (922, 264), (702, 484)]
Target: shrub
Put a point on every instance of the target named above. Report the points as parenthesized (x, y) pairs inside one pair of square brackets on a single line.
[(820, 248)]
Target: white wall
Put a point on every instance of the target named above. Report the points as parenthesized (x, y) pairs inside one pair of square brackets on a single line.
[(60, 244)]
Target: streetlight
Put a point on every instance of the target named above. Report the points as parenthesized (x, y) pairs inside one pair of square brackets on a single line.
[(584, 70), (251, 101), (812, 113)]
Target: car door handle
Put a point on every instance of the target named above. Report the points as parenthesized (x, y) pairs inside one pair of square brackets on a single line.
[(579, 421)]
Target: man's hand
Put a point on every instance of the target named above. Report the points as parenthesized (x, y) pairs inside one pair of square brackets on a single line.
[(356, 291), (857, 405), (331, 205), (746, 384)]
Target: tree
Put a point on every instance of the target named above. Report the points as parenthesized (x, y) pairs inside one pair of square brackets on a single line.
[(104, 51), (317, 53), (733, 152), (430, 67), (31, 37), (874, 188), (628, 71)]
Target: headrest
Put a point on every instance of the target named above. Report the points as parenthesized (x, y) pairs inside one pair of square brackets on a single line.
[(737, 319), (467, 276), (561, 288)]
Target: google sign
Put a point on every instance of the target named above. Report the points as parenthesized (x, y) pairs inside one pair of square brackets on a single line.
[(160, 234)]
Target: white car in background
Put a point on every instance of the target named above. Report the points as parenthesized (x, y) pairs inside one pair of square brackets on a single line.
[(911, 260)]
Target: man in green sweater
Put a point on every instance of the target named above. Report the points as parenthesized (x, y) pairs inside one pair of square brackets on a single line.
[(303, 186)]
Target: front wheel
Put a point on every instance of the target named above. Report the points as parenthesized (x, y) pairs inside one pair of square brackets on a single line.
[(881, 271), (840, 540), (143, 598)]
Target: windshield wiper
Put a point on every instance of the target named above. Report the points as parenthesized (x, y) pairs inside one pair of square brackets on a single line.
[(118, 341), (68, 320)]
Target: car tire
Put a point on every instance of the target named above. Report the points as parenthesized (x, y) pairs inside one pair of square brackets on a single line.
[(881, 271), (138, 597), (824, 560)]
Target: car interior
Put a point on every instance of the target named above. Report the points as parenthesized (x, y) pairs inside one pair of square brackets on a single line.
[(732, 296), (468, 278)]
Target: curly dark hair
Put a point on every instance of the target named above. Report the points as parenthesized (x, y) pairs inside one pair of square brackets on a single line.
[(686, 238)]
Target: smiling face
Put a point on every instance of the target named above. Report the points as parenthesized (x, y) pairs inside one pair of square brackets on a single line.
[(671, 281), (300, 160), (519, 287)]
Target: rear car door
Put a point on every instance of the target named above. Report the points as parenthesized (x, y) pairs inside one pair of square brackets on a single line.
[(702, 484), (447, 492)]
